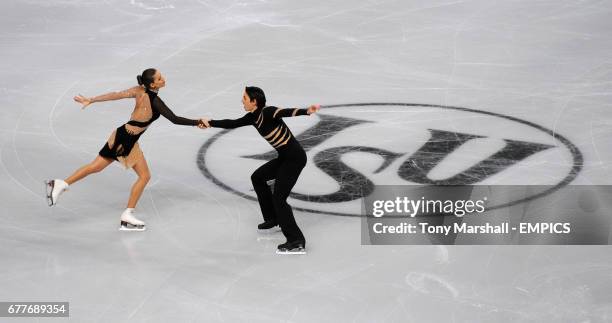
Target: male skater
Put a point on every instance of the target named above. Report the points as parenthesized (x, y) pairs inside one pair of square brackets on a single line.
[(285, 169)]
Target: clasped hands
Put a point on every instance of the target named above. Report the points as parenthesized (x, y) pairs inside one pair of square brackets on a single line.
[(204, 123)]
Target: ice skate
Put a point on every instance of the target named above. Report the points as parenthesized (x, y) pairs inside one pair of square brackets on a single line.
[(130, 223), (292, 248), (54, 188), (268, 227)]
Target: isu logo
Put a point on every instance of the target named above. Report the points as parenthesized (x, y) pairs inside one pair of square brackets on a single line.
[(352, 147)]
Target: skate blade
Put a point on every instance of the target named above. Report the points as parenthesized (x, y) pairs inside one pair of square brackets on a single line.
[(132, 229), (299, 251), (269, 231), (124, 226), (49, 189), (270, 238)]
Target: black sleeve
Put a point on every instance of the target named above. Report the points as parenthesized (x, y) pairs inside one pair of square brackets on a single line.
[(285, 113), (161, 107), (245, 120)]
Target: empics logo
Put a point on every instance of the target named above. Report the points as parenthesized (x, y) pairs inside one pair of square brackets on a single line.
[(353, 147)]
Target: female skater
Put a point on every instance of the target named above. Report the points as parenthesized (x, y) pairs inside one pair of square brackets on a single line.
[(285, 169), (122, 145)]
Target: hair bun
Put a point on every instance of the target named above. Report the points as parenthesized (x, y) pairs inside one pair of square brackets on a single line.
[(139, 79)]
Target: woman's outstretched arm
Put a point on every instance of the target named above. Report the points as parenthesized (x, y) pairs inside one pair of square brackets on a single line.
[(163, 109), (85, 101)]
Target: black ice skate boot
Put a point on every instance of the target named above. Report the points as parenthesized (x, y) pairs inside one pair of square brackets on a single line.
[(297, 247), (268, 227)]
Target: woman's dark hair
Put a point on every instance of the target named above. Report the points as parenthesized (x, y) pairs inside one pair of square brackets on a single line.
[(256, 94), (146, 78)]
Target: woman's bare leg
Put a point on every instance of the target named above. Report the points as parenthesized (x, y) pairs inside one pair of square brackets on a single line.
[(95, 166), (142, 170)]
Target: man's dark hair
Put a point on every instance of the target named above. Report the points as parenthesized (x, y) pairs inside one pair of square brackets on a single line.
[(256, 94)]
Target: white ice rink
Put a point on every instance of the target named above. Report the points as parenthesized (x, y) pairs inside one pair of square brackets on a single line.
[(548, 63)]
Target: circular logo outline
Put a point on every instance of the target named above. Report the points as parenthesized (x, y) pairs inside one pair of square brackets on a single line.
[(576, 155)]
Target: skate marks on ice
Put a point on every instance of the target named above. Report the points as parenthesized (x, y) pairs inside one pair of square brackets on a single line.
[(430, 284), (526, 291)]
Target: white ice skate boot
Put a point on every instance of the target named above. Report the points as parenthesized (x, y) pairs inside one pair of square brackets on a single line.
[(55, 187), (130, 223)]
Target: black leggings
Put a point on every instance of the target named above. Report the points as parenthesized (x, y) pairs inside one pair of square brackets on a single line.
[(285, 170)]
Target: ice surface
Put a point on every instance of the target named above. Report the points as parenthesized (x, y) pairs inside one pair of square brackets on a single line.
[(201, 260)]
